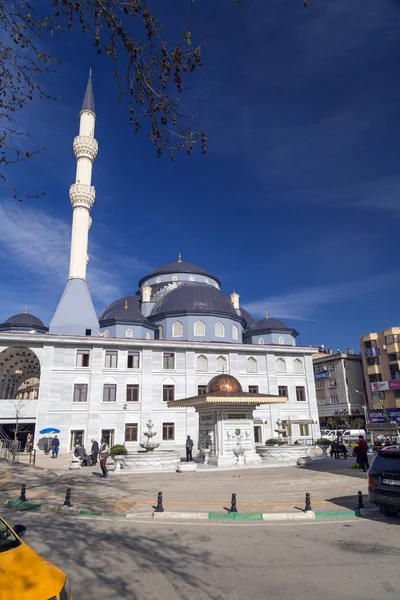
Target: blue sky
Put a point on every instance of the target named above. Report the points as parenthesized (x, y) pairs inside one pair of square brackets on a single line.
[(296, 203)]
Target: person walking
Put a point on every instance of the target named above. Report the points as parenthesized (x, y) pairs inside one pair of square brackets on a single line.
[(362, 454), (103, 457), (28, 442), (189, 448), (55, 446), (94, 452)]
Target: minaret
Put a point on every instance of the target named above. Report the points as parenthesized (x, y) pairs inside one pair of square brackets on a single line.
[(75, 312)]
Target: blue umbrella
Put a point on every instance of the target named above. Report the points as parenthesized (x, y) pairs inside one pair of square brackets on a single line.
[(49, 430)]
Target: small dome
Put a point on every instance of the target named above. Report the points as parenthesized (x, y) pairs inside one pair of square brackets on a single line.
[(224, 384), (125, 309), (24, 321), (178, 266), (268, 324), (194, 298)]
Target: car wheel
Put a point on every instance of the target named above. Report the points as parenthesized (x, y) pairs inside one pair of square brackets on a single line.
[(388, 511)]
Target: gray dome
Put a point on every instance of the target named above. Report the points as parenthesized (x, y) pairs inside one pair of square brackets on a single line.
[(268, 325), (194, 298), (24, 321), (125, 309), (178, 267)]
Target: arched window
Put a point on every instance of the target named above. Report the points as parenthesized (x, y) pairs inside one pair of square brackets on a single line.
[(298, 366), (219, 330), (148, 336), (128, 333), (106, 333), (281, 340), (160, 332), (200, 328), (202, 363), (206, 280), (260, 340), (177, 329), (222, 365), (235, 332), (158, 280), (280, 366), (174, 277), (251, 365), (191, 278)]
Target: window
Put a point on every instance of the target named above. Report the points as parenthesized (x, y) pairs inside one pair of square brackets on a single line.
[(110, 392), (168, 431), (391, 358), (111, 361), (331, 383), (77, 437), (106, 333), (191, 278), (334, 399), (221, 364), (380, 395), (133, 360), (201, 390), (202, 363), (319, 385), (235, 332), (158, 280), (132, 392), (168, 393), (298, 366), (282, 390), (391, 339), (253, 389), (303, 430), (131, 432), (371, 344), (88, 332), (148, 335), (160, 332), (219, 330), (251, 365), (169, 360), (129, 333), (281, 341), (177, 329), (174, 277), (108, 436), (280, 366), (200, 329), (82, 358), (374, 360), (206, 280), (261, 341), (35, 394), (300, 394), (80, 392), (375, 377)]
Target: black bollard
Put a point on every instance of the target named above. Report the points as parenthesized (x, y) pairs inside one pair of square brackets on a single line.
[(233, 507), (159, 507), (308, 503), (360, 501), (23, 493), (67, 501)]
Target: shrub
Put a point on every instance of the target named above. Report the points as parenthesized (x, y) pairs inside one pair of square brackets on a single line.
[(355, 466), (118, 450), (273, 441), (323, 442)]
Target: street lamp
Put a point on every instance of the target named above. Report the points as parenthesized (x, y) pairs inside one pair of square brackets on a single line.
[(364, 407)]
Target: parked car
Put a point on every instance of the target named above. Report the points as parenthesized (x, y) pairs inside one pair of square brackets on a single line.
[(384, 481), (353, 434), (24, 575), (333, 434)]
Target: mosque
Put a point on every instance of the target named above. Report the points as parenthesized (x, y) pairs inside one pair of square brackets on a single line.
[(104, 376)]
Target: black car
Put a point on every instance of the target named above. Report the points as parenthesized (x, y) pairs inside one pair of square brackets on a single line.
[(384, 481)]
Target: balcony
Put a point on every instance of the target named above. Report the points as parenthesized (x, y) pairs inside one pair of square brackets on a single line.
[(370, 352)]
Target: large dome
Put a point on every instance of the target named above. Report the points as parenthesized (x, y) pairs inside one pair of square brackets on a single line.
[(125, 309), (178, 266), (24, 321), (194, 298), (225, 384)]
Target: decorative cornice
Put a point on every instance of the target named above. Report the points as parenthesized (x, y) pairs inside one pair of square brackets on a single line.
[(85, 147), (82, 195)]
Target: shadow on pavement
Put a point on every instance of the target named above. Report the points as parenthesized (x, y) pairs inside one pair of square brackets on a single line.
[(339, 466)]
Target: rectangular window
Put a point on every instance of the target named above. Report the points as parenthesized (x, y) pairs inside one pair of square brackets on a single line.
[(392, 339), (168, 393), (108, 436), (77, 437), (132, 393), (168, 431), (379, 395), (133, 360), (80, 392), (391, 358), (334, 400), (375, 377), (35, 394), (111, 361), (109, 392), (82, 358), (303, 430), (282, 390), (319, 385), (201, 390), (253, 389), (371, 344), (169, 360), (300, 394), (131, 432), (374, 360)]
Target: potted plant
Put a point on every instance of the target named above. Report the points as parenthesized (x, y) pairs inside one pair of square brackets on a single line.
[(324, 444), (118, 453), (274, 442)]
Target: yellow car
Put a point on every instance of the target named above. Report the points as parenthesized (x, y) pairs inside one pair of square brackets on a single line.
[(24, 575)]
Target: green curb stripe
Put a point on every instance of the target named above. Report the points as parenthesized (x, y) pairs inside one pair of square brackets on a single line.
[(24, 505), (334, 515), (235, 516), (113, 515), (96, 513)]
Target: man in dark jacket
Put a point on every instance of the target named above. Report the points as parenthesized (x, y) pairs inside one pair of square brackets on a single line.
[(362, 453), (55, 446), (189, 448), (94, 452)]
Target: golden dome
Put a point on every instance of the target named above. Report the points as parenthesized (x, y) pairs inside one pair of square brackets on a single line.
[(224, 384)]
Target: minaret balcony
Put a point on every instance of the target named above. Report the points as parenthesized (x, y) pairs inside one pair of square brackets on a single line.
[(85, 146), (82, 195)]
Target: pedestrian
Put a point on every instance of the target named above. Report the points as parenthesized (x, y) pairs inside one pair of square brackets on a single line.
[(103, 457), (28, 442), (94, 452), (55, 446), (189, 448), (362, 454)]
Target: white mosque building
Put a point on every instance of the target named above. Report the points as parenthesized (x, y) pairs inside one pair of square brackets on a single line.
[(104, 377)]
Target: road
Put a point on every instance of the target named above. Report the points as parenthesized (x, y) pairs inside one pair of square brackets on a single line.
[(117, 559)]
